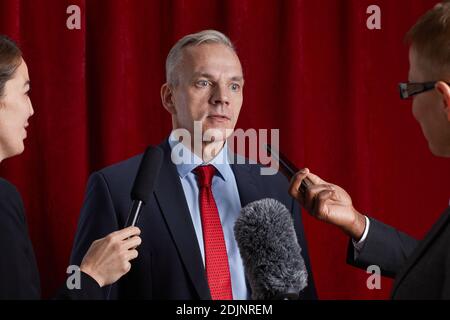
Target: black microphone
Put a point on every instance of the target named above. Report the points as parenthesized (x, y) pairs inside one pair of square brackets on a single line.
[(270, 251), (287, 168), (144, 182)]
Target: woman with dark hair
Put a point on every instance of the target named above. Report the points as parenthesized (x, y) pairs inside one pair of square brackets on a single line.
[(106, 260)]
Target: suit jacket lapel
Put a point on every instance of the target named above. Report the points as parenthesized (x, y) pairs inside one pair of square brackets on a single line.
[(172, 202), (245, 181), (421, 249), (247, 189)]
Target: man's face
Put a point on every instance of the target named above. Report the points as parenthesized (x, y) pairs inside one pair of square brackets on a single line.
[(15, 109), (428, 109), (209, 89)]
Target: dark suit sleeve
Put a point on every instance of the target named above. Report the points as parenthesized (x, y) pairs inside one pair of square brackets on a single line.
[(445, 295), (19, 277), (90, 290), (385, 247), (97, 220)]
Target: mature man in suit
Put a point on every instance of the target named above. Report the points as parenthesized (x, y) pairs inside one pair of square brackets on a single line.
[(188, 247), (421, 268)]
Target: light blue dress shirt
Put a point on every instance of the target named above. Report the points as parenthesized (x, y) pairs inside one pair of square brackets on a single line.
[(228, 203)]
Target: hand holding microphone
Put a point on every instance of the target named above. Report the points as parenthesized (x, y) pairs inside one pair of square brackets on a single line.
[(328, 202), (325, 201), (108, 259)]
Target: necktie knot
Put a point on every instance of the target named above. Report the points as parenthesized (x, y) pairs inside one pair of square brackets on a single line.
[(205, 175)]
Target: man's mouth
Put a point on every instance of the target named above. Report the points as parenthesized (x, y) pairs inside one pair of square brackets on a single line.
[(25, 129), (219, 117)]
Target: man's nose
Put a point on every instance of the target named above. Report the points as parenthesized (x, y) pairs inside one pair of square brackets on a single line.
[(220, 95), (31, 109)]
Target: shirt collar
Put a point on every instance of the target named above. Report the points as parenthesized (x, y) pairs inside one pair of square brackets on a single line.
[(186, 161)]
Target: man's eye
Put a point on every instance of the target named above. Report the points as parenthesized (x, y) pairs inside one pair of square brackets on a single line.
[(202, 83), (235, 87)]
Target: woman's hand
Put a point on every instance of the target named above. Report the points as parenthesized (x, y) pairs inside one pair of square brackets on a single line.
[(108, 258)]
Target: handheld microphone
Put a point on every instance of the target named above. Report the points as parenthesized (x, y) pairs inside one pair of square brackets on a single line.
[(270, 251), (287, 168), (144, 182)]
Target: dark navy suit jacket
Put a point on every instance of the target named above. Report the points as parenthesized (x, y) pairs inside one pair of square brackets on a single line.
[(169, 265), (19, 276), (421, 268)]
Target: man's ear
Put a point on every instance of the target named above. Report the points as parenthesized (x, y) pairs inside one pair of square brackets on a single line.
[(444, 91), (167, 98)]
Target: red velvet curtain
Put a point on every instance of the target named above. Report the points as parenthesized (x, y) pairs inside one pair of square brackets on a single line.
[(313, 69)]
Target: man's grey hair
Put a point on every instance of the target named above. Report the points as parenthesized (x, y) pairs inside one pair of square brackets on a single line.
[(195, 39)]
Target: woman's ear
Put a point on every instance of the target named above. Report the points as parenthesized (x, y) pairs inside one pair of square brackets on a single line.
[(167, 98), (444, 91)]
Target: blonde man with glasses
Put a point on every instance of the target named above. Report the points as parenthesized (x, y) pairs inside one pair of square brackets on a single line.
[(421, 268)]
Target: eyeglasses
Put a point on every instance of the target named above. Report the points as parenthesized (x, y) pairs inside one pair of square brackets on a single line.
[(409, 89)]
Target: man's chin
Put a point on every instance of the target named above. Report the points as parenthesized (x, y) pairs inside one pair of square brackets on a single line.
[(439, 151), (217, 134), (14, 151)]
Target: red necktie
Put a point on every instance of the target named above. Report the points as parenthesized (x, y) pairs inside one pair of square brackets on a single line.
[(216, 258)]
